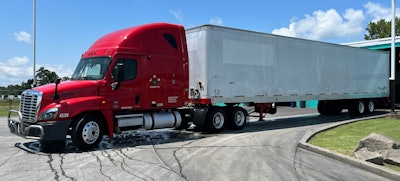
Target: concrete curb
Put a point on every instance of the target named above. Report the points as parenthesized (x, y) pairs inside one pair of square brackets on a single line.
[(370, 167)]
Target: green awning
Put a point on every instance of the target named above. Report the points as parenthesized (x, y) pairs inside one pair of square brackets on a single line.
[(382, 46)]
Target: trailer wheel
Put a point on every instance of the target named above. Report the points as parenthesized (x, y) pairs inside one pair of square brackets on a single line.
[(334, 108), (322, 107), (329, 107), (87, 132), (215, 120), (370, 106), (357, 108), (237, 118)]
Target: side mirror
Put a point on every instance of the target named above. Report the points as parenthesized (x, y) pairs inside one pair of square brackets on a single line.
[(58, 80), (30, 83), (56, 95), (119, 74)]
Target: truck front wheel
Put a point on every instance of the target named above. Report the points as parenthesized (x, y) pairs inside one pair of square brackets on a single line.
[(87, 132)]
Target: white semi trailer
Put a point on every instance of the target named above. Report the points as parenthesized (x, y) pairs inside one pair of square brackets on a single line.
[(234, 66)]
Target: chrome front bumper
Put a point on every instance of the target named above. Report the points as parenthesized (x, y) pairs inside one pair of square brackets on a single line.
[(54, 130), (18, 127)]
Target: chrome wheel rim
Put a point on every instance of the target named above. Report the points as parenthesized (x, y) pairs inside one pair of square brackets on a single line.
[(218, 120), (371, 106), (239, 118), (361, 107), (91, 132)]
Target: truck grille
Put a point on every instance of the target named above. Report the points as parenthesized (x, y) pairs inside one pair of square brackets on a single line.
[(29, 106)]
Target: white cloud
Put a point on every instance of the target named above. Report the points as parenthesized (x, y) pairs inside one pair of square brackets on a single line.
[(15, 71), (216, 21), (18, 61), (60, 70), (18, 69), (322, 25), (177, 14), (23, 36), (377, 12)]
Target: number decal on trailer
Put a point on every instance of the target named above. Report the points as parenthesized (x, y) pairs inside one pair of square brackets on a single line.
[(217, 92)]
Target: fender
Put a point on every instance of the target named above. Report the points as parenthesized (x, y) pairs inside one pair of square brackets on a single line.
[(70, 108), (108, 115), (76, 106)]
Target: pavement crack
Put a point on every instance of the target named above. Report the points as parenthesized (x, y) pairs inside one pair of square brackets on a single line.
[(107, 155), (114, 162), (9, 158), (62, 169), (52, 168), (101, 166), (123, 164), (142, 161), (166, 166), (180, 166)]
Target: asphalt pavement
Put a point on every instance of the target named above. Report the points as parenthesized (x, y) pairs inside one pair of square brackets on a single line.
[(264, 150)]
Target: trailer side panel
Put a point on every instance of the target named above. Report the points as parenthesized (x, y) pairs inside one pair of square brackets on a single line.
[(230, 65)]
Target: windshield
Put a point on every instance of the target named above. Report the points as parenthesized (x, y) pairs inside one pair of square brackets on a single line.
[(91, 68)]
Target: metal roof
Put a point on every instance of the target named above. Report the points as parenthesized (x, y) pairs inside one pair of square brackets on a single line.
[(376, 44)]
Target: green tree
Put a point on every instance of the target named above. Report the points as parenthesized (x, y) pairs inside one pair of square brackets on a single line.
[(44, 76), (65, 78), (381, 29)]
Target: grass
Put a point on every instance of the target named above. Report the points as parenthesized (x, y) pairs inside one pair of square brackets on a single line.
[(345, 138), (5, 106)]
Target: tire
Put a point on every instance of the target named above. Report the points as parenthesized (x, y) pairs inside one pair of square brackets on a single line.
[(215, 120), (87, 132), (237, 119), (322, 107), (329, 107), (334, 108), (370, 106), (357, 108)]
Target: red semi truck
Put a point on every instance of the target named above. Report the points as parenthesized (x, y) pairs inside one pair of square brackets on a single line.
[(162, 76)]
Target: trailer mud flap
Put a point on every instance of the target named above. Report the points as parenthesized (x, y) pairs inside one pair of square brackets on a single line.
[(199, 115)]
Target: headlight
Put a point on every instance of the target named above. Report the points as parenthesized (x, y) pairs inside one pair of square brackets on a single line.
[(50, 114)]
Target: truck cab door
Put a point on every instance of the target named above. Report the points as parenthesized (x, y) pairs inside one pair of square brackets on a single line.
[(126, 84)]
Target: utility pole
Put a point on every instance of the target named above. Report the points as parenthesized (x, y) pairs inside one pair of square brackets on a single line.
[(393, 59), (34, 42)]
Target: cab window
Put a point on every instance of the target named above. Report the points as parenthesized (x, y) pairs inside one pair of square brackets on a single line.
[(171, 40), (129, 69)]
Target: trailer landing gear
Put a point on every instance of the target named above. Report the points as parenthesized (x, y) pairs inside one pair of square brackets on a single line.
[(265, 108)]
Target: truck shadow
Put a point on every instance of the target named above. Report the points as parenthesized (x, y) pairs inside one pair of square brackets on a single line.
[(124, 140), (163, 136), (293, 122)]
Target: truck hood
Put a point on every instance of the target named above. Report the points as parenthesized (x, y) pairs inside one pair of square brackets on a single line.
[(68, 89)]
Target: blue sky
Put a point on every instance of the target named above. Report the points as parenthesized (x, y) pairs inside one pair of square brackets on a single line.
[(66, 28)]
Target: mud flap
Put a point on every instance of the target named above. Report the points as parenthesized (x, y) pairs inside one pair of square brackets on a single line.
[(199, 115)]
